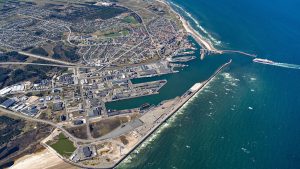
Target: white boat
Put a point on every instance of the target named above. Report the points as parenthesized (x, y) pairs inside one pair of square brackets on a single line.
[(264, 61)]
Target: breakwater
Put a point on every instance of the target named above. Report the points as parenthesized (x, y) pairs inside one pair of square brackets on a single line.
[(184, 100)]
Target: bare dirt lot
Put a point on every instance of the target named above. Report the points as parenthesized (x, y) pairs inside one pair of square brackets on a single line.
[(105, 126)]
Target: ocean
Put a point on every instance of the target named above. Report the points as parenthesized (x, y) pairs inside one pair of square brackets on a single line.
[(248, 116)]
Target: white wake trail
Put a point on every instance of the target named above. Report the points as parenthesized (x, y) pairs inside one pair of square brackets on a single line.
[(278, 64), (286, 65)]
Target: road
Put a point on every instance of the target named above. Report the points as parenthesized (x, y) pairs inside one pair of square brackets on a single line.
[(60, 127), (43, 121), (116, 59), (84, 104), (47, 59), (41, 64)]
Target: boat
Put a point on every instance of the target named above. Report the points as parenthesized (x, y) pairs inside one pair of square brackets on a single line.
[(263, 61), (144, 106)]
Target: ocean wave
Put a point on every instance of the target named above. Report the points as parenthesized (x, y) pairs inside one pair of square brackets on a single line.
[(146, 143), (227, 89), (210, 37), (169, 123), (227, 76), (230, 80)]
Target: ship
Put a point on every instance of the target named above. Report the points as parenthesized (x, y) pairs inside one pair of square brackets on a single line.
[(144, 106), (263, 61)]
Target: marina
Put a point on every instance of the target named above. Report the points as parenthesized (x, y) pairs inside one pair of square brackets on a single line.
[(125, 89), (163, 115)]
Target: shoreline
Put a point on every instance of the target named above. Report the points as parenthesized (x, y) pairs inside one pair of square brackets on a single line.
[(169, 115), (40, 158), (161, 120), (191, 31)]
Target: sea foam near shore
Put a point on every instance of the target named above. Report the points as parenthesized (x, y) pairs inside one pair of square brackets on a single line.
[(169, 123), (210, 38)]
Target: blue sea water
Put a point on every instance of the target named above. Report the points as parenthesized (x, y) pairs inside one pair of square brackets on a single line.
[(248, 117)]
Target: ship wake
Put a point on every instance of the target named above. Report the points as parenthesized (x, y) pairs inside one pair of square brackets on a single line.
[(286, 65), (278, 64)]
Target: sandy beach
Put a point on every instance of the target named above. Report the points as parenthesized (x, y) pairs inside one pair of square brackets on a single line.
[(49, 160), (43, 159), (196, 35), (189, 29)]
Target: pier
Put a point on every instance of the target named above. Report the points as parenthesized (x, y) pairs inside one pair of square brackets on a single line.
[(182, 59), (239, 52), (169, 112), (204, 52)]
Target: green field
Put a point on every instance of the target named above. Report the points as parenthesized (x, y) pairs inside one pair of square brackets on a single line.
[(63, 146), (130, 19), (124, 32)]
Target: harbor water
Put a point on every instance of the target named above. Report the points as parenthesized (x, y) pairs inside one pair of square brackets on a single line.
[(248, 116)]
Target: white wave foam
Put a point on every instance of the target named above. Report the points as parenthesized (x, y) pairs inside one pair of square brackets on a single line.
[(227, 76), (158, 132), (245, 150), (208, 91), (230, 79), (227, 89), (210, 37)]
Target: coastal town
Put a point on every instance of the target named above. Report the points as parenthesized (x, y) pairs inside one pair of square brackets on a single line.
[(63, 62)]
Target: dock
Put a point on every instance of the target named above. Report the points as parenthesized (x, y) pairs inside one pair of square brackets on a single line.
[(180, 102)]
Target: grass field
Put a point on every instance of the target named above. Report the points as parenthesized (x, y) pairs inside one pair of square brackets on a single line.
[(130, 19), (63, 146), (124, 32)]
